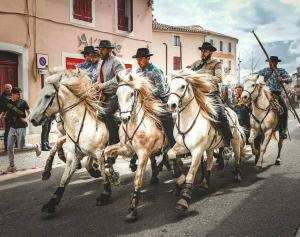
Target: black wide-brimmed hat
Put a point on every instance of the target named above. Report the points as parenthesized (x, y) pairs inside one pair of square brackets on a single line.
[(94, 53), (274, 59), (207, 46), (87, 49), (105, 44), (142, 52)]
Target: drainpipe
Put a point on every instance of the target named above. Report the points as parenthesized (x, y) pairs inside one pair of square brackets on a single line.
[(180, 48), (166, 58)]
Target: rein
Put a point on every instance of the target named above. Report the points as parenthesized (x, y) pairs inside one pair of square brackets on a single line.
[(127, 137), (181, 109)]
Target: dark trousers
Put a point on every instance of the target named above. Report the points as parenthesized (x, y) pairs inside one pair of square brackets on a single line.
[(168, 126), (113, 128), (283, 118), (222, 123), (46, 127)]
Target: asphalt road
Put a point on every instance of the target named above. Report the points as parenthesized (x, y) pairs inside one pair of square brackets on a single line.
[(266, 203)]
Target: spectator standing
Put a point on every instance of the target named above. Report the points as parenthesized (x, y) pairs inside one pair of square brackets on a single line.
[(17, 112), (4, 98)]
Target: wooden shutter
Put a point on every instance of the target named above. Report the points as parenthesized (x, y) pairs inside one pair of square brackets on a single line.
[(176, 63), (82, 10), (122, 24)]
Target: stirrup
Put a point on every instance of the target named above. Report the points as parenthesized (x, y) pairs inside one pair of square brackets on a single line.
[(227, 153)]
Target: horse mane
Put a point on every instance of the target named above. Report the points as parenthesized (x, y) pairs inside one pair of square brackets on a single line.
[(78, 82), (201, 85), (152, 106)]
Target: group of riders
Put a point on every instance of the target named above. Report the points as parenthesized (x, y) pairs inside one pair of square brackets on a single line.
[(104, 76)]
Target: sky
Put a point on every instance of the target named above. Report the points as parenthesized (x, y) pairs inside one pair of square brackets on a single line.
[(276, 22)]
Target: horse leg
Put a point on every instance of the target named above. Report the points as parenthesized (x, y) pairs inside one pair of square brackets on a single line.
[(155, 171), (263, 147), (175, 163), (91, 169), (253, 135), (206, 168), (186, 192), (278, 160), (48, 167), (237, 157), (138, 181), (71, 165)]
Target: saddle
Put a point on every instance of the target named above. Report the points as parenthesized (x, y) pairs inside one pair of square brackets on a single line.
[(275, 105)]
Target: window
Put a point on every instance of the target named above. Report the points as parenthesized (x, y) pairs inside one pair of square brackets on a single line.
[(211, 42), (82, 10), (125, 18), (176, 63), (229, 65), (176, 40), (221, 45), (229, 47)]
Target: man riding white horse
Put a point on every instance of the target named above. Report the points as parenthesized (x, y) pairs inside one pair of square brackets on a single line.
[(274, 84), (214, 67), (107, 84), (156, 78)]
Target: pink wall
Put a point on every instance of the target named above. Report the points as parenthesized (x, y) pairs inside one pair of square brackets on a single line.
[(53, 33)]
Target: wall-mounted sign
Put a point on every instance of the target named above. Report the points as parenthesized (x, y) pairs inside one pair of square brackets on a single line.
[(42, 61), (72, 62)]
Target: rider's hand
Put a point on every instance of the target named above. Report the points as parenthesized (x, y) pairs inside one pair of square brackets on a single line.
[(279, 78), (100, 86), (24, 120)]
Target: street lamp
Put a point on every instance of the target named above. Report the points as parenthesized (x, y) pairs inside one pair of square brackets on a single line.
[(166, 57)]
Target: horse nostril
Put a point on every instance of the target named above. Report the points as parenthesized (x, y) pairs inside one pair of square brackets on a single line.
[(173, 106)]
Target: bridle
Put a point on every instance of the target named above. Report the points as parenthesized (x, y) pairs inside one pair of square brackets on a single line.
[(181, 108), (136, 94)]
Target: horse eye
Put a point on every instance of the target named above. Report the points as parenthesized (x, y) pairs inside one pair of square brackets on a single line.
[(182, 87), (47, 96)]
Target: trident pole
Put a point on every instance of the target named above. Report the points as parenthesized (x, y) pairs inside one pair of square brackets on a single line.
[(276, 73)]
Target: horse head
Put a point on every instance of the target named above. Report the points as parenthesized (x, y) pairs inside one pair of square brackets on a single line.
[(252, 85), (46, 105)]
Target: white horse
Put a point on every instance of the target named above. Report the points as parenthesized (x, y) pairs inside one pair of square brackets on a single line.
[(70, 94), (194, 131), (263, 119), (139, 132)]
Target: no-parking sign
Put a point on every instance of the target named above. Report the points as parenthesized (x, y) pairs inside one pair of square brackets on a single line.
[(42, 61)]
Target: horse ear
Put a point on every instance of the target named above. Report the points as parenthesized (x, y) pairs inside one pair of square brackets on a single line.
[(130, 77)]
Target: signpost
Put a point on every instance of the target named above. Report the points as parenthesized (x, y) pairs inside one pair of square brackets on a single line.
[(42, 66)]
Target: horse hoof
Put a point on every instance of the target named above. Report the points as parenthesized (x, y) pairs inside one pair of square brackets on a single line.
[(46, 175), (182, 205), (95, 173), (204, 185), (131, 216), (154, 181), (103, 200), (277, 162), (48, 208), (238, 178)]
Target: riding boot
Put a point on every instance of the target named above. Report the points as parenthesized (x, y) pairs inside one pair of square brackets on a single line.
[(168, 126), (282, 118), (112, 127)]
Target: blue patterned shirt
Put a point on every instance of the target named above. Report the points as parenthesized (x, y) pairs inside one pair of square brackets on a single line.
[(271, 80), (85, 65), (157, 79)]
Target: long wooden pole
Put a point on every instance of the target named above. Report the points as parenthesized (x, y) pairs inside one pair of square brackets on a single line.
[(276, 73)]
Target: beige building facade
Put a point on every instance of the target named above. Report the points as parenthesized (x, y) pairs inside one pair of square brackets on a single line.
[(59, 30), (176, 47)]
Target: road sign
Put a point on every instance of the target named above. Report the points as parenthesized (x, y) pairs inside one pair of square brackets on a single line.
[(42, 61)]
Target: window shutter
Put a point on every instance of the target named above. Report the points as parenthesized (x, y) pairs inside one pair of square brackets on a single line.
[(82, 10), (176, 63), (121, 15)]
